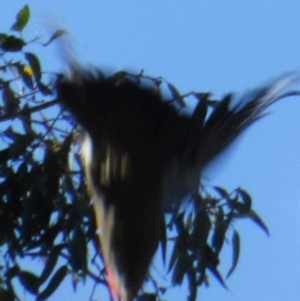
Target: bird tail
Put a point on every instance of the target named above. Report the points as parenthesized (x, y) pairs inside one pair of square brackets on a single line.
[(230, 116)]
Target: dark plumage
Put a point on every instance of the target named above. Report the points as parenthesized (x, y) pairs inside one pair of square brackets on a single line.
[(140, 154)]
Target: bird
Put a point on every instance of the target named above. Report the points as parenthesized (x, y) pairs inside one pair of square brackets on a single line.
[(141, 155)]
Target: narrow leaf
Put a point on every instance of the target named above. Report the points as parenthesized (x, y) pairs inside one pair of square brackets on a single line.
[(30, 281), (221, 226), (22, 19), (78, 251), (54, 283), (3, 37), (50, 264), (222, 192), (257, 220), (179, 271), (174, 256), (191, 276), (34, 64), (6, 295), (235, 252), (218, 276), (201, 229), (246, 198), (218, 237)]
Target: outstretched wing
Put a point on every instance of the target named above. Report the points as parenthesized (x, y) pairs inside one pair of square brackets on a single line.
[(140, 154)]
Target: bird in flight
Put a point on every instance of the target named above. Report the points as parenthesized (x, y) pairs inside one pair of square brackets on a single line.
[(141, 153)]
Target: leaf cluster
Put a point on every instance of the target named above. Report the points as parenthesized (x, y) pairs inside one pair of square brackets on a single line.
[(199, 235), (44, 209)]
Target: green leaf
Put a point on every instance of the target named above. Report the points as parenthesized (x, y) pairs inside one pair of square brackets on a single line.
[(218, 237), (236, 245), (201, 229), (58, 33), (50, 264), (221, 226), (11, 102), (6, 295), (257, 220), (179, 223), (217, 275), (179, 248), (13, 272), (35, 65), (222, 192), (78, 251), (22, 19), (3, 37), (179, 270), (247, 200), (191, 277), (12, 44), (54, 283), (30, 281), (175, 255)]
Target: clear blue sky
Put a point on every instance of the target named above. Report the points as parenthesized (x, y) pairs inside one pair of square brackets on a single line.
[(218, 46)]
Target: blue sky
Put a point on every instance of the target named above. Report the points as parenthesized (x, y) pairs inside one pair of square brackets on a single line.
[(217, 46)]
